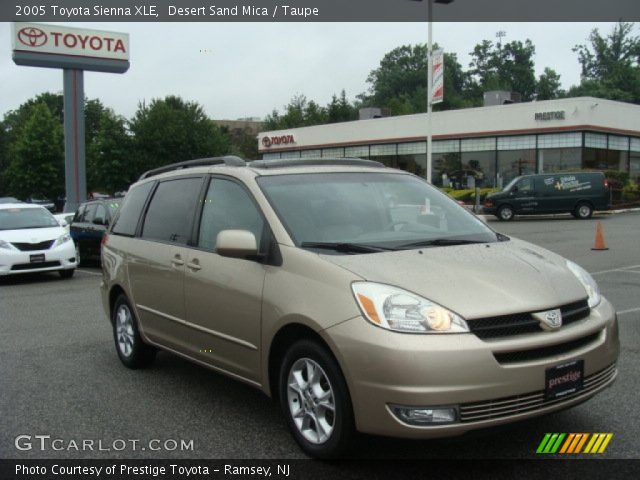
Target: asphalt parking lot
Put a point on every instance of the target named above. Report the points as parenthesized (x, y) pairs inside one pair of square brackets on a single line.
[(60, 376)]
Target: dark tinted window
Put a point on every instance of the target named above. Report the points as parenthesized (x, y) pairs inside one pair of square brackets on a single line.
[(89, 213), (171, 210), (101, 213), (227, 206), (79, 214), (127, 220)]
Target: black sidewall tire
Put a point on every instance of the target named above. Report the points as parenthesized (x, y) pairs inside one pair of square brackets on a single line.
[(142, 355), (340, 441), (502, 209)]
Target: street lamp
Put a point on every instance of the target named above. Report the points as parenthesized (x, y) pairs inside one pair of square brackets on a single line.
[(430, 78)]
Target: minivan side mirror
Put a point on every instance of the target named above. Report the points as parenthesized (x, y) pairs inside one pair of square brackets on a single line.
[(236, 244), (514, 189)]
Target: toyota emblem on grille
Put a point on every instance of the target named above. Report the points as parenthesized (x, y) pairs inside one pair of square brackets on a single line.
[(32, 37), (549, 320)]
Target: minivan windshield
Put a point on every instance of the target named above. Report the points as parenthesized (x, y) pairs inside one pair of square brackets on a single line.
[(511, 184), (23, 218), (369, 212)]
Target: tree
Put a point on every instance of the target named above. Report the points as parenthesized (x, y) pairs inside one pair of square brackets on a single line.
[(110, 166), (37, 156), (548, 85), (340, 110), (170, 130), (400, 82), (299, 112), (610, 65), (504, 67)]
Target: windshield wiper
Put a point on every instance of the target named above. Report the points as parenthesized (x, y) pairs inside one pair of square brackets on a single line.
[(345, 247), (440, 242)]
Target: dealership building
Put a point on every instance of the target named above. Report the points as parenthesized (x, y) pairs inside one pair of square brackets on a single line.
[(486, 146)]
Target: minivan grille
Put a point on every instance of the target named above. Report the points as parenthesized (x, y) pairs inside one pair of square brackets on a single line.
[(31, 247), (33, 266), (545, 352), (521, 323), (528, 402)]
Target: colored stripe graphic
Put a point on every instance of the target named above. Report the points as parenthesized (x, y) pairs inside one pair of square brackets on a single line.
[(573, 443)]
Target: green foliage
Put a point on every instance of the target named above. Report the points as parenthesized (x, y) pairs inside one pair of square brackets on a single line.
[(469, 194), (548, 86), (170, 130), (631, 192), (37, 156), (400, 82), (505, 67), (300, 112), (610, 65)]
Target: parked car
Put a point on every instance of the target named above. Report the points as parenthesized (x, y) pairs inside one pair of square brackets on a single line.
[(89, 224), (32, 240), (44, 202), (577, 193), (64, 219), (409, 318), (9, 200)]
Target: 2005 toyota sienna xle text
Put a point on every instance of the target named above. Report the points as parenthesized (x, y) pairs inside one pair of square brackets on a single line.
[(359, 296)]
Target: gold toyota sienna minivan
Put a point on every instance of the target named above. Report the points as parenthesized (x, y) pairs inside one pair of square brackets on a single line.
[(359, 296)]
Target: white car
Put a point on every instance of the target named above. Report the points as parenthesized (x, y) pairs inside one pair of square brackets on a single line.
[(67, 218), (32, 240)]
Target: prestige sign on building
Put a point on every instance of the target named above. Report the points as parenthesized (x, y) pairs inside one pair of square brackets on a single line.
[(54, 46)]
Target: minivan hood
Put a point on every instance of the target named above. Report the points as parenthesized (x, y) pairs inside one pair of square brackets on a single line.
[(31, 235), (475, 281)]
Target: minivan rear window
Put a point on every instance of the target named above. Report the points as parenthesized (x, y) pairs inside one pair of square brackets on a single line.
[(170, 213), (127, 220)]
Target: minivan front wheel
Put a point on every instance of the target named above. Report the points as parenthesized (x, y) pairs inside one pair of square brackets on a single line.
[(505, 213), (131, 349), (315, 400), (583, 211)]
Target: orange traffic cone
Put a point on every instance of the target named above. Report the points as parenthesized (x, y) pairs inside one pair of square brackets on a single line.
[(599, 245)]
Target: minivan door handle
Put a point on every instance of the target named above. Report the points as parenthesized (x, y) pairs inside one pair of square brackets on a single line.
[(177, 261), (194, 265)]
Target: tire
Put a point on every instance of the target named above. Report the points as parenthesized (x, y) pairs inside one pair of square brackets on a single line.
[(505, 213), (67, 273), (131, 349), (583, 211), (321, 432)]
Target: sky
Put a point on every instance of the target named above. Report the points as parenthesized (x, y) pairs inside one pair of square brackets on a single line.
[(238, 70)]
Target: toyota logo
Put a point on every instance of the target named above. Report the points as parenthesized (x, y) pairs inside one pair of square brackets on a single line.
[(32, 37), (549, 320), (266, 142)]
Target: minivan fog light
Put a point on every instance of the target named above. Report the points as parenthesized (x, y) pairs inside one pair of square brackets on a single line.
[(425, 415)]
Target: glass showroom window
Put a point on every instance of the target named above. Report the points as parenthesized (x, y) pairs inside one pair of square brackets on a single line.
[(560, 159), (445, 167), (602, 159), (480, 165), (385, 154), (513, 163), (634, 160)]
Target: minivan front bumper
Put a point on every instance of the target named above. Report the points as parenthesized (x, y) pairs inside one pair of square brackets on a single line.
[(385, 369)]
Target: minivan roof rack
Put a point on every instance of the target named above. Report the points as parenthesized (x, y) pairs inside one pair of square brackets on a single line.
[(312, 162), (229, 160)]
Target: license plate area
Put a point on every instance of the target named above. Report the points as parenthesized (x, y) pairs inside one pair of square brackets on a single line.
[(563, 380), (36, 258)]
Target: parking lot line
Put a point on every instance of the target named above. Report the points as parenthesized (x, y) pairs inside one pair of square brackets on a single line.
[(630, 310), (621, 269)]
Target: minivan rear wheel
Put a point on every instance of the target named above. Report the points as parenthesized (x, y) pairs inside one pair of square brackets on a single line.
[(132, 350), (583, 211), (315, 400), (505, 213)]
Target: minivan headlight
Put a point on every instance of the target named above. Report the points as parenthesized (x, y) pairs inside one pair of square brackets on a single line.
[(396, 309), (6, 245), (63, 239), (587, 282)]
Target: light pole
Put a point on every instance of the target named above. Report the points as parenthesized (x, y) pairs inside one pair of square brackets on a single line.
[(430, 78)]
